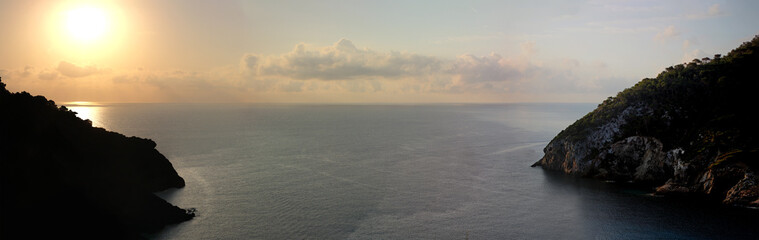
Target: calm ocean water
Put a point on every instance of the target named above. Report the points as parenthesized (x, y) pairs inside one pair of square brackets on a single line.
[(269, 171)]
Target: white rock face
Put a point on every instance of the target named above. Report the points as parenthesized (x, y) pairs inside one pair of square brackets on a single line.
[(678, 165), (604, 153), (609, 131), (573, 157)]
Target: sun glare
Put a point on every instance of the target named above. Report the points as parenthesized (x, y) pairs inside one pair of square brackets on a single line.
[(89, 112), (86, 23), (87, 31)]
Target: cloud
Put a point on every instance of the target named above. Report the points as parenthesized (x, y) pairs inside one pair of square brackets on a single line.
[(692, 54), (341, 61), (47, 74), (292, 86), (342, 67), (491, 68), (338, 72), (28, 70), (528, 48), (713, 11), (667, 33), (216, 85), (74, 71)]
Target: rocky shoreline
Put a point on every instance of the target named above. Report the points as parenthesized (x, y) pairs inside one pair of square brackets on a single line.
[(686, 132)]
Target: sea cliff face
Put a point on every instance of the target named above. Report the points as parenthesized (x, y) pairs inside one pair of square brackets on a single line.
[(688, 132), (61, 177), (573, 156)]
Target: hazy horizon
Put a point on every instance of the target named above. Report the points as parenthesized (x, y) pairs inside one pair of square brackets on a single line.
[(96, 104), (356, 51)]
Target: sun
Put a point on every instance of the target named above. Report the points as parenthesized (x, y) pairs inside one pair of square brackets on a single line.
[(86, 24)]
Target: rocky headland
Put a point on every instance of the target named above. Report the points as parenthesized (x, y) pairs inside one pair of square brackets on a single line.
[(691, 131), (60, 177)]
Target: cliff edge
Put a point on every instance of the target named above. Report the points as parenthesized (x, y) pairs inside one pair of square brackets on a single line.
[(61, 177), (691, 130)]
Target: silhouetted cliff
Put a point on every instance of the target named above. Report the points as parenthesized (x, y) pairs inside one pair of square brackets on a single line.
[(691, 130), (61, 177)]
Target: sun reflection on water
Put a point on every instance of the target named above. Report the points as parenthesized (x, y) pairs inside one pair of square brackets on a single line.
[(93, 113)]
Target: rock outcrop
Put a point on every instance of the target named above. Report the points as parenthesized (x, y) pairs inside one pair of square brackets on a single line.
[(60, 177), (690, 131)]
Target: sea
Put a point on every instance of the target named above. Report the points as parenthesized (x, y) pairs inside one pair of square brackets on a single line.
[(415, 171)]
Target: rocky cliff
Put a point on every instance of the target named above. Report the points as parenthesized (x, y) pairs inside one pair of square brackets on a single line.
[(691, 130), (60, 177)]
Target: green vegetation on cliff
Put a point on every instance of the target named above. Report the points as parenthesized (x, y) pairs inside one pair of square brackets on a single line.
[(692, 129), (705, 105)]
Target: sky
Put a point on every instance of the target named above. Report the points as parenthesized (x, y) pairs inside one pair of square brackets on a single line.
[(353, 51)]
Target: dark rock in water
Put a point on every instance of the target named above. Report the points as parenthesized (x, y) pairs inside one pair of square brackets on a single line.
[(60, 177), (689, 131)]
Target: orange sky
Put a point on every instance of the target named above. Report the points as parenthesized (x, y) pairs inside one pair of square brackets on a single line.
[(355, 51)]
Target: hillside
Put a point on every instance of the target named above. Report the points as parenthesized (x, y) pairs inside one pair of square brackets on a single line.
[(60, 177), (691, 130)]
